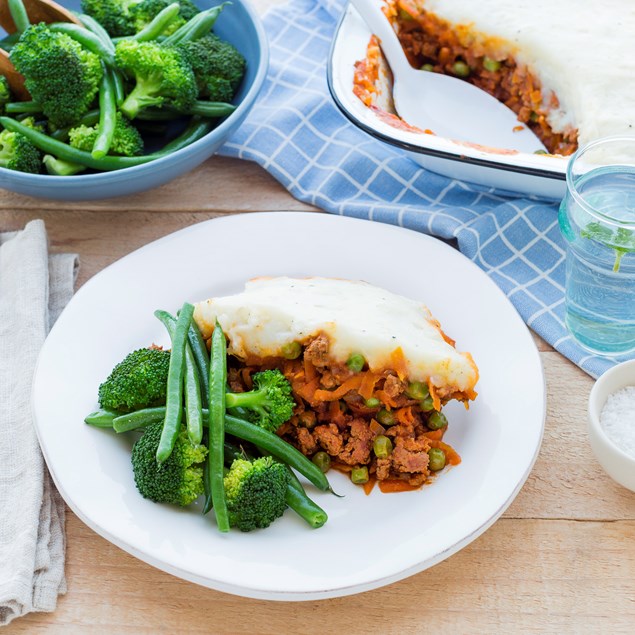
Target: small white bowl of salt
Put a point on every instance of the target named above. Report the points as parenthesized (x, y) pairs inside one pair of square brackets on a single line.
[(612, 422)]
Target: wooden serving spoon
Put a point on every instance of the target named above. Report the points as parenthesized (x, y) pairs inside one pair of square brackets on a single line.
[(38, 11)]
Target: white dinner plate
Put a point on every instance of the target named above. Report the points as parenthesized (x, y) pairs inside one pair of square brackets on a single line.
[(537, 174), (368, 541)]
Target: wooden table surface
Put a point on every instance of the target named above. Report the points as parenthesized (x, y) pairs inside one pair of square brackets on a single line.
[(561, 558)]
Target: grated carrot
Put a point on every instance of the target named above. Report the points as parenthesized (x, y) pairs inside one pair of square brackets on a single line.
[(331, 395), (368, 385)]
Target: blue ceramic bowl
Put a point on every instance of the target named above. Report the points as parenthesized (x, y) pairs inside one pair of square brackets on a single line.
[(239, 24)]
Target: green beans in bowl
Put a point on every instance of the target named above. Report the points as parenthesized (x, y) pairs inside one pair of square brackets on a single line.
[(120, 129)]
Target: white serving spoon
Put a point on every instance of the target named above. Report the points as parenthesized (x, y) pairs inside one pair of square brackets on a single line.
[(447, 106)]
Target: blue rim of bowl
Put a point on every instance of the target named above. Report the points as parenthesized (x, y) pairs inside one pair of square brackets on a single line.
[(131, 172), (411, 147)]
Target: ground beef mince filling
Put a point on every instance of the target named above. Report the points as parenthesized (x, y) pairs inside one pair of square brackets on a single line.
[(345, 427), (434, 44)]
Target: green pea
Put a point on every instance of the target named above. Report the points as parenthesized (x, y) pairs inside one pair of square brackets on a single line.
[(533, 117), (359, 475), (426, 404), (322, 460), (373, 402), (437, 459), (382, 447), (491, 65), (540, 151), (291, 350), (437, 420), (386, 418), (417, 390), (461, 69), (356, 362), (428, 67)]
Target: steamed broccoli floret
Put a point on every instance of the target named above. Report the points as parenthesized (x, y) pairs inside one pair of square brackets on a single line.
[(18, 153), (127, 17), (113, 15), (179, 479), (126, 140), (60, 167), (163, 77), (217, 65), (256, 492), (61, 75), (145, 11), (269, 404), (139, 381)]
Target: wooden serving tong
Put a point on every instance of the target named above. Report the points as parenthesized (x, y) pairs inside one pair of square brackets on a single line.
[(38, 11)]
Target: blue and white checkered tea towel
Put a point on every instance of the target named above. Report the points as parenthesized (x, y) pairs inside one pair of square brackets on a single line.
[(297, 134)]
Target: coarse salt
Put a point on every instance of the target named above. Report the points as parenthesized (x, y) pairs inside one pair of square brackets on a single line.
[(618, 419)]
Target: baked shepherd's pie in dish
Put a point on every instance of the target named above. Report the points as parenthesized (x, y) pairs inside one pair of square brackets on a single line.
[(564, 67)]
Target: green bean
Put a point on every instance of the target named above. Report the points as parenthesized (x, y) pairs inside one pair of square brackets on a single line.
[(9, 41), (436, 421), (91, 118), (201, 24), (197, 129), (64, 151), (120, 92), (97, 29), (23, 106), (201, 356), (158, 24), (174, 391), (19, 15), (193, 404), (159, 114), (245, 431), (359, 475), (355, 362), (436, 459), (322, 460), (107, 116), (278, 448), (302, 505), (212, 109), (86, 38), (216, 426), (50, 145), (101, 418), (138, 419)]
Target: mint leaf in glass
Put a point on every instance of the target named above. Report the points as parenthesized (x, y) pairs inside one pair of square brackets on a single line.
[(621, 241)]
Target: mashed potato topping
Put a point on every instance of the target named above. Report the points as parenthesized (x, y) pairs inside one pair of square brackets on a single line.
[(387, 329), (580, 51)]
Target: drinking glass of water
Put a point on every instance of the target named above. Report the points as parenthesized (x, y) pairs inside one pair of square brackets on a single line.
[(597, 220)]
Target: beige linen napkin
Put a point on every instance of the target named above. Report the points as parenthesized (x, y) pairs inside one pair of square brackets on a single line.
[(34, 288)]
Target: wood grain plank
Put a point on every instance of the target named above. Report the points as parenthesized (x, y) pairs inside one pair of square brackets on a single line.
[(219, 184), (530, 576)]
